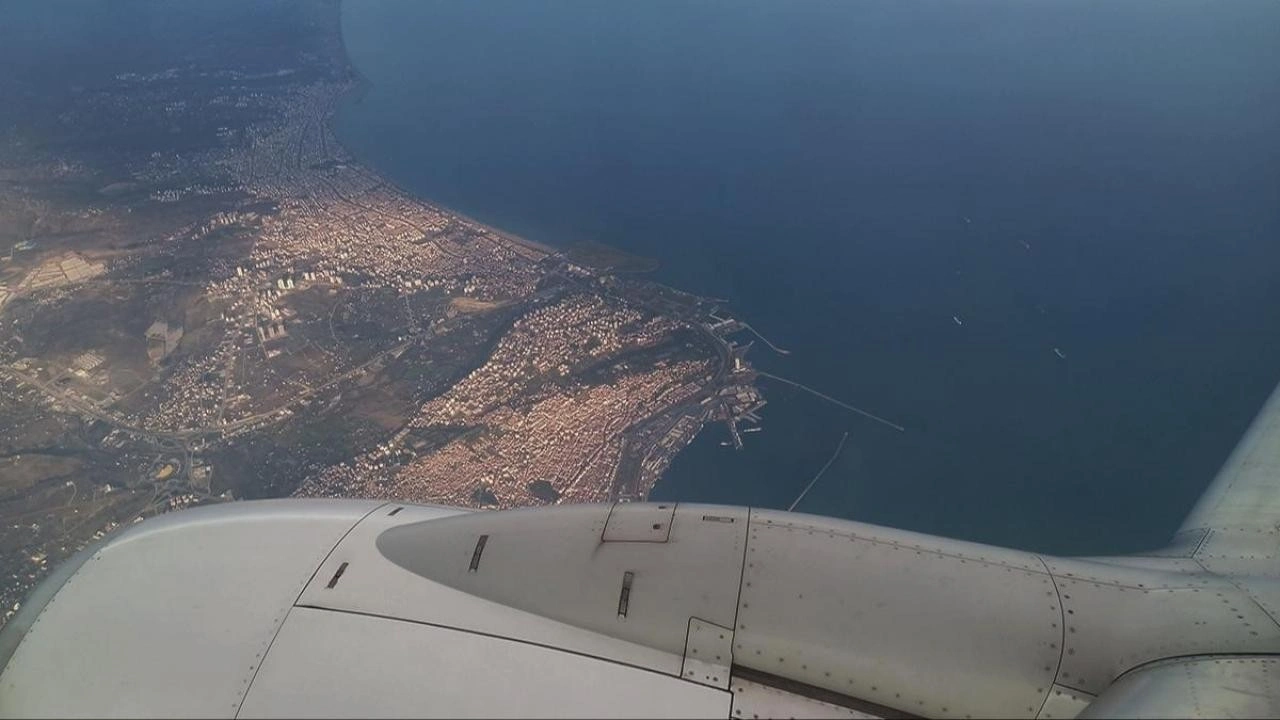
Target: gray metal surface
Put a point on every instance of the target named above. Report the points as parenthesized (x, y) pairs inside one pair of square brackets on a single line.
[(755, 700), (552, 563), (931, 628), (1064, 703), (335, 664), (1117, 619), (1196, 687), (311, 608), (1142, 572), (172, 618), (708, 653), (914, 623), (1249, 559), (639, 522), (374, 585)]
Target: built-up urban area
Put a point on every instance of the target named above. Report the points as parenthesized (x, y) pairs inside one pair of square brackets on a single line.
[(204, 297)]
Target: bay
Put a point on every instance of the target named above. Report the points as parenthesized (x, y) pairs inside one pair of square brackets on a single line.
[(921, 200)]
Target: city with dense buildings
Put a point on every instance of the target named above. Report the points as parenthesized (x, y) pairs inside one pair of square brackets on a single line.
[(204, 297)]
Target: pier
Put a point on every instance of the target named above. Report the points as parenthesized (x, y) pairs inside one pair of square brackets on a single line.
[(728, 326), (821, 472), (772, 347), (828, 398)]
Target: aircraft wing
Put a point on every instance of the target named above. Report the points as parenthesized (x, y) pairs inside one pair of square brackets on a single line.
[(1246, 492), (312, 608), (353, 608)]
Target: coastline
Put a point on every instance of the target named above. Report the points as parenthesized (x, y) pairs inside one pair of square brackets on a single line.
[(645, 482), (359, 88)]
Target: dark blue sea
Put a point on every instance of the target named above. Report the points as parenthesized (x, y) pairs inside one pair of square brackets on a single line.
[(921, 200)]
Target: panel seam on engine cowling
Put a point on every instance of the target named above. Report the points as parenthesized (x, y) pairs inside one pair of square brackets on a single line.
[(1243, 589), (261, 660), (742, 574), (1062, 641)]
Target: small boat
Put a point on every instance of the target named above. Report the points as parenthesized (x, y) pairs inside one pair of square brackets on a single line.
[(958, 320), (1058, 352)]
